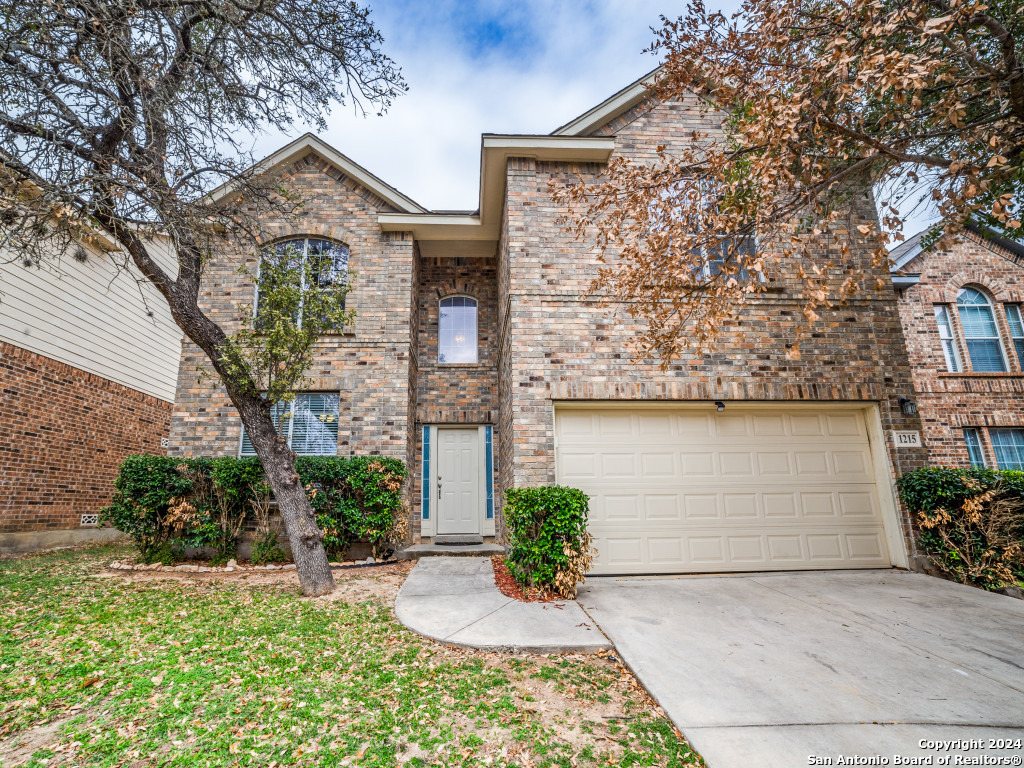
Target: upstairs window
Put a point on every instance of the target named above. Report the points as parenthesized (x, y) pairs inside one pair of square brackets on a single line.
[(981, 336), (307, 259), (457, 337), (946, 335), (309, 424), (1014, 320)]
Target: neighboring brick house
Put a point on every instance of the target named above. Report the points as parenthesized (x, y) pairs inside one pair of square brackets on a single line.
[(961, 313), (88, 356), (477, 357)]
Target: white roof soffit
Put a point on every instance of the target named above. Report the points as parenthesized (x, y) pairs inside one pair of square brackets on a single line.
[(476, 234), (610, 108), (310, 143)]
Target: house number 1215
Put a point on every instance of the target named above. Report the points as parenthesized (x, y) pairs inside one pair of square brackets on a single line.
[(907, 439)]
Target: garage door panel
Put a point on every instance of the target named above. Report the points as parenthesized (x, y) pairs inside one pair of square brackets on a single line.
[(677, 491)]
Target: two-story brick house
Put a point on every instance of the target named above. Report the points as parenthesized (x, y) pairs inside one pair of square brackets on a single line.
[(477, 357), (961, 313)]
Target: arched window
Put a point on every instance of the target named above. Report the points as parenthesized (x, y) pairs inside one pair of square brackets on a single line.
[(456, 341), (981, 335), (308, 259)]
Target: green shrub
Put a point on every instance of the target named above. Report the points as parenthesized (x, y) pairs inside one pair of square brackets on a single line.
[(143, 493), (356, 499), (970, 522), (549, 546), (166, 504)]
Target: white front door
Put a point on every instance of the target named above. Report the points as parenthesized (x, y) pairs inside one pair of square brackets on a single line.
[(458, 481)]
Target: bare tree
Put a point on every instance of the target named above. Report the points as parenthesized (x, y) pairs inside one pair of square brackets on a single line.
[(120, 116), (814, 100)]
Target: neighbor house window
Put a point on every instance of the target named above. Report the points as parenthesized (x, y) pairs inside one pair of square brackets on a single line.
[(456, 341), (973, 439), (1014, 320), (946, 335), (321, 261), (1008, 446), (981, 336), (309, 424)]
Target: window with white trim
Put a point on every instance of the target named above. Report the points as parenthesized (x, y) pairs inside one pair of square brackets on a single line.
[(981, 335), (972, 436), (946, 335), (325, 261), (456, 330), (1008, 447), (1016, 324), (309, 424)]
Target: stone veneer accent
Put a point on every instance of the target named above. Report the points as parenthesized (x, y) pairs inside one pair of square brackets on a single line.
[(65, 431), (948, 402)]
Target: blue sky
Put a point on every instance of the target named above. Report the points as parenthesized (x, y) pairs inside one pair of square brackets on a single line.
[(491, 66)]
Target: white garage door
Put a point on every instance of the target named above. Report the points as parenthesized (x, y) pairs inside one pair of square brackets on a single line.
[(677, 490)]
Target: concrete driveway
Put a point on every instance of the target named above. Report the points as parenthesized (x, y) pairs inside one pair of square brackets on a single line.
[(775, 670)]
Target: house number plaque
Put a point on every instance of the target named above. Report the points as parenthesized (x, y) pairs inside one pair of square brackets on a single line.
[(907, 439)]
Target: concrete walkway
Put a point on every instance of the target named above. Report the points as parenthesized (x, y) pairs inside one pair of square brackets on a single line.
[(455, 600), (777, 670)]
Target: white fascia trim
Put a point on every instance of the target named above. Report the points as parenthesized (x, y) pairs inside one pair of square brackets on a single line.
[(308, 142), (610, 108), (495, 151)]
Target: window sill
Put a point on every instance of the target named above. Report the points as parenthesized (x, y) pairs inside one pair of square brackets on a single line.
[(464, 366), (973, 375)]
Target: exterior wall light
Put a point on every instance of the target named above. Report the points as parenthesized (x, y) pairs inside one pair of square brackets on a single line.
[(909, 407), (719, 405)]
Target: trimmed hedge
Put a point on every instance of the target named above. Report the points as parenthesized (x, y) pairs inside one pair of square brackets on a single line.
[(548, 543), (165, 504), (970, 522)]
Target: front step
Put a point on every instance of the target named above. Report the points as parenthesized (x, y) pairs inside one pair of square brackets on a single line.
[(459, 538), (417, 551)]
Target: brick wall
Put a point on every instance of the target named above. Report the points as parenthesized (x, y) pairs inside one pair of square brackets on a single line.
[(558, 344), (949, 402), (369, 364), (63, 433), (454, 394)]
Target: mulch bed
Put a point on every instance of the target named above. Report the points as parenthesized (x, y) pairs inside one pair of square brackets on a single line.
[(509, 587)]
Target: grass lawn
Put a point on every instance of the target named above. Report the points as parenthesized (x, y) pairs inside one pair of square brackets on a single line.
[(186, 671)]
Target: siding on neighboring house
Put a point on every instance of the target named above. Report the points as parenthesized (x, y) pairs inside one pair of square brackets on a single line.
[(950, 402), (94, 316), (88, 363)]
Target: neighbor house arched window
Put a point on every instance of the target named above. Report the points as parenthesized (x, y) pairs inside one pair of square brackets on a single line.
[(981, 334), (456, 333), (311, 259)]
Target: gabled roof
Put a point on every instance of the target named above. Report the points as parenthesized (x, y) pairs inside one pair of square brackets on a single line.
[(906, 251), (610, 108), (309, 143), (912, 247)]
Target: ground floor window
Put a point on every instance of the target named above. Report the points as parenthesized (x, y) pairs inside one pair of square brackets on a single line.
[(1008, 446), (973, 440), (309, 423)]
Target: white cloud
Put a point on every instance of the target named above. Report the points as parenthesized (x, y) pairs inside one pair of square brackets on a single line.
[(496, 67)]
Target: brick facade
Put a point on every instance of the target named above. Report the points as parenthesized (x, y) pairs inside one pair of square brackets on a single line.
[(949, 402), (542, 338), (64, 433), (557, 344), (369, 364)]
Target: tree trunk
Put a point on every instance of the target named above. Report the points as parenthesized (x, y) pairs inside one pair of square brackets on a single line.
[(308, 551), (278, 461)]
